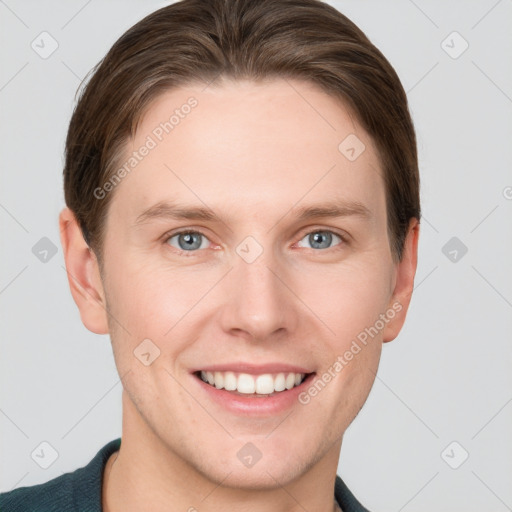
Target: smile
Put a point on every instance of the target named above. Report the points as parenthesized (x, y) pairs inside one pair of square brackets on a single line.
[(266, 384)]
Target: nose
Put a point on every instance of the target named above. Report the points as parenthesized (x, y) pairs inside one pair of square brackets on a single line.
[(260, 304)]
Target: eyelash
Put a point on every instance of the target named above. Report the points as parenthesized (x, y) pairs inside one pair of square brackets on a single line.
[(168, 236)]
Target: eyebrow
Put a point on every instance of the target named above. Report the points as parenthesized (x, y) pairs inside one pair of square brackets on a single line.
[(167, 210)]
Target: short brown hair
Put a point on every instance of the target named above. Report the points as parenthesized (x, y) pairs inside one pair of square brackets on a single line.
[(200, 40)]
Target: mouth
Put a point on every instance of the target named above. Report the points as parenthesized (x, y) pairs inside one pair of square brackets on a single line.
[(248, 385)]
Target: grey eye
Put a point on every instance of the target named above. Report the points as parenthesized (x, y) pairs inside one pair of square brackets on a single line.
[(188, 241), (320, 239)]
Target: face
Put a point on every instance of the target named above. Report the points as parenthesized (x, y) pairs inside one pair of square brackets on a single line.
[(223, 255)]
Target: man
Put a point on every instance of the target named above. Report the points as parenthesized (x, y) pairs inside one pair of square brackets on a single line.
[(242, 218)]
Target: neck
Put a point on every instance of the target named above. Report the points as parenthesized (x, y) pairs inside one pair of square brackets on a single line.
[(145, 470)]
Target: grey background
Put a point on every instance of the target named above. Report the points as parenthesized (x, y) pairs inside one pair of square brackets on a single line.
[(446, 378)]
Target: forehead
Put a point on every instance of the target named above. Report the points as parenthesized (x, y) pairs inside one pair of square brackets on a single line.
[(250, 147)]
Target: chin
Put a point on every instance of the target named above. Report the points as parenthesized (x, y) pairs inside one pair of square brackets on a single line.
[(267, 469), (268, 476)]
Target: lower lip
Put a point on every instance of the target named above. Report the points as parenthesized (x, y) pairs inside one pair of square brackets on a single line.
[(251, 405)]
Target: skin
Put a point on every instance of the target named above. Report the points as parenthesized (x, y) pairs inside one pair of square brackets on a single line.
[(254, 154)]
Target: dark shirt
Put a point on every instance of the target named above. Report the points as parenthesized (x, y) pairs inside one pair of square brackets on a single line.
[(80, 491)]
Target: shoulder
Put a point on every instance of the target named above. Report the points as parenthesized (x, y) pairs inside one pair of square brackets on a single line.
[(347, 501), (78, 491), (57, 494)]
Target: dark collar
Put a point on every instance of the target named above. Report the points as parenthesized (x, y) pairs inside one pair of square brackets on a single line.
[(80, 490)]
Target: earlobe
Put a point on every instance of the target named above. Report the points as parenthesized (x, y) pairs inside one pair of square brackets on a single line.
[(83, 274), (404, 284)]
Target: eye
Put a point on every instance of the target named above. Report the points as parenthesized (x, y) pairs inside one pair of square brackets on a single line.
[(191, 241), (321, 239), (188, 241)]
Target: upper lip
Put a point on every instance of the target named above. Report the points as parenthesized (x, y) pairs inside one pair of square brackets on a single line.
[(253, 369)]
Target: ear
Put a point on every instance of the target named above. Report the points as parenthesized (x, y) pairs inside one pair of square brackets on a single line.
[(83, 274), (404, 283)]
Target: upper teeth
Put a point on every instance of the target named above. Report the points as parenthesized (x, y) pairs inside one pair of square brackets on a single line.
[(246, 383)]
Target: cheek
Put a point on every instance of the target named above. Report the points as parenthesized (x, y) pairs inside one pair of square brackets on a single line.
[(351, 306), (155, 304), (354, 366), (151, 301), (348, 300)]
